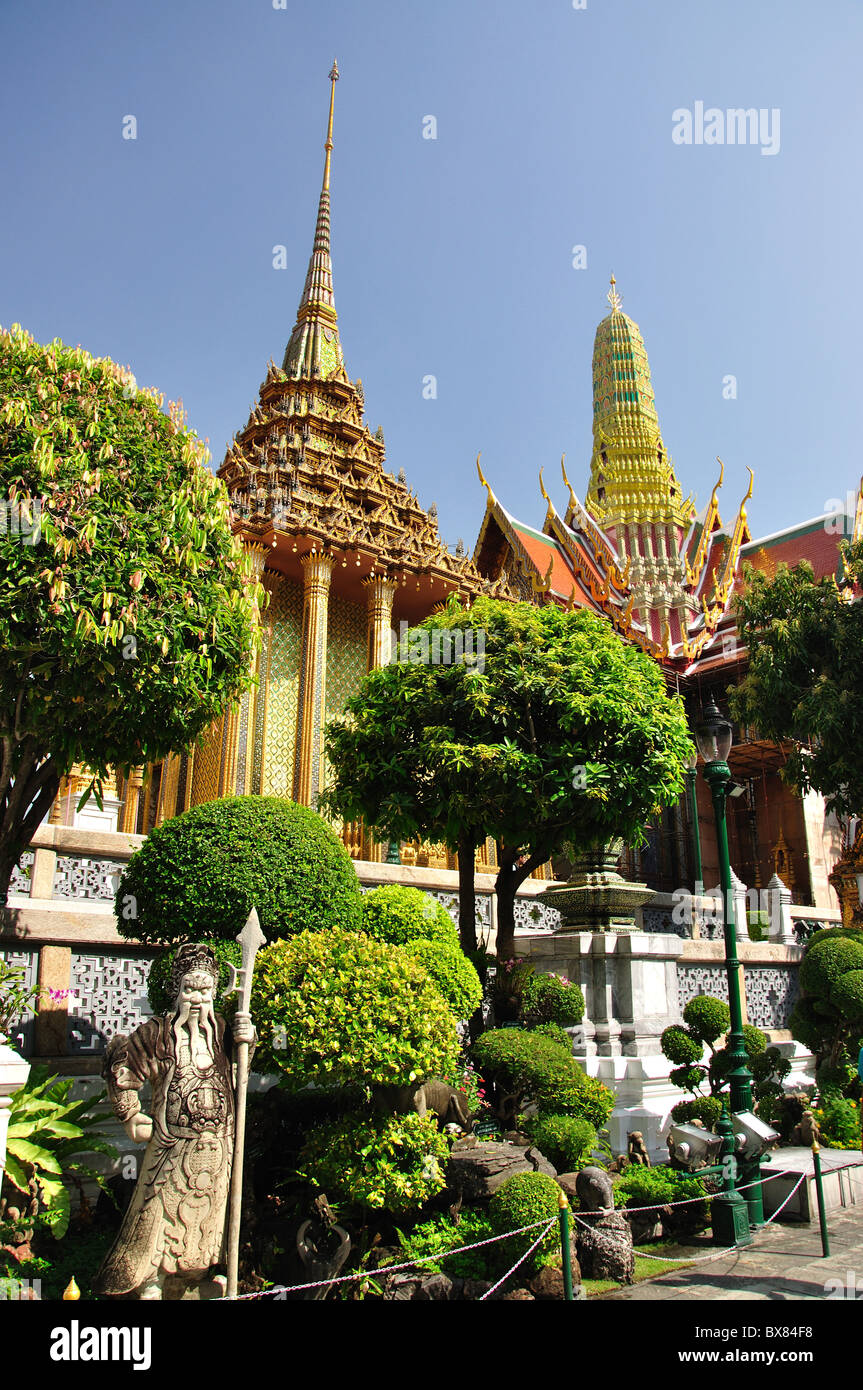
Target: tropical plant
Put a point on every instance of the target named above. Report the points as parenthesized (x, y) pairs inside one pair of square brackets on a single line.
[(526, 1200), (394, 1163), (558, 731), (551, 999), (804, 681), (16, 996), (521, 1068), (339, 1008), (48, 1134), (122, 586), (198, 875)]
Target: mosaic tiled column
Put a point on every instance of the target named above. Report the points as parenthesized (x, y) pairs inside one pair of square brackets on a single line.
[(231, 761), (129, 811), (380, 593), (317, 574), (168, 788)]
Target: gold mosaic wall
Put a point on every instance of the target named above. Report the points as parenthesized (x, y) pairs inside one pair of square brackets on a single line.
[(208, 759), (277, 698), (346, 654)]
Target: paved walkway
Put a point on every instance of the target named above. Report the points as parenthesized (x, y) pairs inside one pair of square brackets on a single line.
[(783, 1262)]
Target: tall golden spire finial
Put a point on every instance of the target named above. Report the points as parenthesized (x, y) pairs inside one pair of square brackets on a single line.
[(334, 77), (613, 297)]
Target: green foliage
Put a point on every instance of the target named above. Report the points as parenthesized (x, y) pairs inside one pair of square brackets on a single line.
[(198, 875), (828, 1018), (47, 1135), (679, 1046), (753, 1040), (451, 971), (658, 1187), (135, 595), (510, 979), (16, 996), (394, 1164), (707, 1018), (566, 1141), (400, 916), (447, 750), (708, 1109), (804, 679), (839, 1121), (520, 1068), (227, 953), (335, 1007), (522, 1200), (556, 1033), (441, 1234), (551, 999)]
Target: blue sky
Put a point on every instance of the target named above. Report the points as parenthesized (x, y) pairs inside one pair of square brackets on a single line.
[(453, 257)]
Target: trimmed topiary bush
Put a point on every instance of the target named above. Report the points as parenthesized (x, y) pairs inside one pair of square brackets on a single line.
[(339, 1008), (556, 1033), (551, 999), (395, 1164), (227, 953), (197, 876), (567, 1141), (708, 1109), (401, 915), (521, 1067), (679, 1046), (522, 1200), (451, 971), (707, 1018), (826, 961)]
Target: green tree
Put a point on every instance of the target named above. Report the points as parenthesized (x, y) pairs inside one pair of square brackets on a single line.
[(127, 608), (546, 727), (804, 681)]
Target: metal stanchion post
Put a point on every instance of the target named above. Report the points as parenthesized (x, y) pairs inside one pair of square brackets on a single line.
[(566, 1260), (819, 1192)]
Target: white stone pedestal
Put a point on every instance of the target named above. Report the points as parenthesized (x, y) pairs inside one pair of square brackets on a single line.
[(13, 1074)]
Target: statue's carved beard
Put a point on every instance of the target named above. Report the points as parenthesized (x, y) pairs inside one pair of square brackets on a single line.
[(198, 1026)]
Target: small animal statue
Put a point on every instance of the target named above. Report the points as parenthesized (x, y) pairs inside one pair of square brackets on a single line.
[(638, 1154), (451, 1106), (594, 1191), (807, 1132), (619, 1164), (323, 1246)]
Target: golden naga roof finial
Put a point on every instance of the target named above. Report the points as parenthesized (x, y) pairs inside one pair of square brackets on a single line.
[(613, 297), (482, 479), (542, 489), (334, 77)]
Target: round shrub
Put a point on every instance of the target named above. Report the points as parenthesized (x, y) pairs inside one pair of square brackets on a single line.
[(566, 1140), (525, 1068), (401, 915), (708, 1109), (586, 1097), (451, 971), (707, 1018), (395, 1164), (804, 1026), (340, 1008), (550, 999), (754, 1040), (198, 875), (679, 1046), (227, 953), (839, 1121), (848, 994), (826, 961), (556, 1033), (522, 1200)]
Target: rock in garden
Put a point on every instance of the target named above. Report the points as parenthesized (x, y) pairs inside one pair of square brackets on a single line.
[(548, 1283), (475, 1288), (434, 1288), (605, 1248), (478, 1172), (517, 1296)]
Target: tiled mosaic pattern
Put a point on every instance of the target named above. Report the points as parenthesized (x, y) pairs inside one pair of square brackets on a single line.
[(205, 776), (286, 611), (346, 655)]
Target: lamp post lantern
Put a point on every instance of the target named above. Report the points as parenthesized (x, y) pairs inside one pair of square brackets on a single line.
[(713, 736)]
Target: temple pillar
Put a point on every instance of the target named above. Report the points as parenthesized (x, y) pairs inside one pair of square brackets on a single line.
[(128, 818), (168, 788), (380, 593), (230, 762), (317, 575)]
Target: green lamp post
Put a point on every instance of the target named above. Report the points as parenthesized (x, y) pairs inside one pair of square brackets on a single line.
[(691, 773), (731, 1210)]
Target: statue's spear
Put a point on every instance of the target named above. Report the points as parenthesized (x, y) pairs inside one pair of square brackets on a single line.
[(251, 939)]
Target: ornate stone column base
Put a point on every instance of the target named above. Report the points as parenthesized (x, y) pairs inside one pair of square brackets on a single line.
[(597, 898)]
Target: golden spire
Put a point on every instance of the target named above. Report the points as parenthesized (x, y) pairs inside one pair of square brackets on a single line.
[(613, 297), (334, 77)]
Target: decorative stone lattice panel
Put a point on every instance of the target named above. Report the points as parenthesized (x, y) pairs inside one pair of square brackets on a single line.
[(21, 1036), (660, 919), (111, 995), (282, 690), (533, 915), (20, 880), (771, 990), (79, 877)]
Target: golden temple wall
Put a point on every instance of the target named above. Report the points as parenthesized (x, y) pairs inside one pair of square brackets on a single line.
[(278, 693)]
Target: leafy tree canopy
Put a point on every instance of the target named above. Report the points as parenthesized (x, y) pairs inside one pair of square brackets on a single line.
[(805, 676), (127, 608)]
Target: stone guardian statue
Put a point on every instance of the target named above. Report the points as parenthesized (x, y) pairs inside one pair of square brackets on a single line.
[(172, 1239)]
